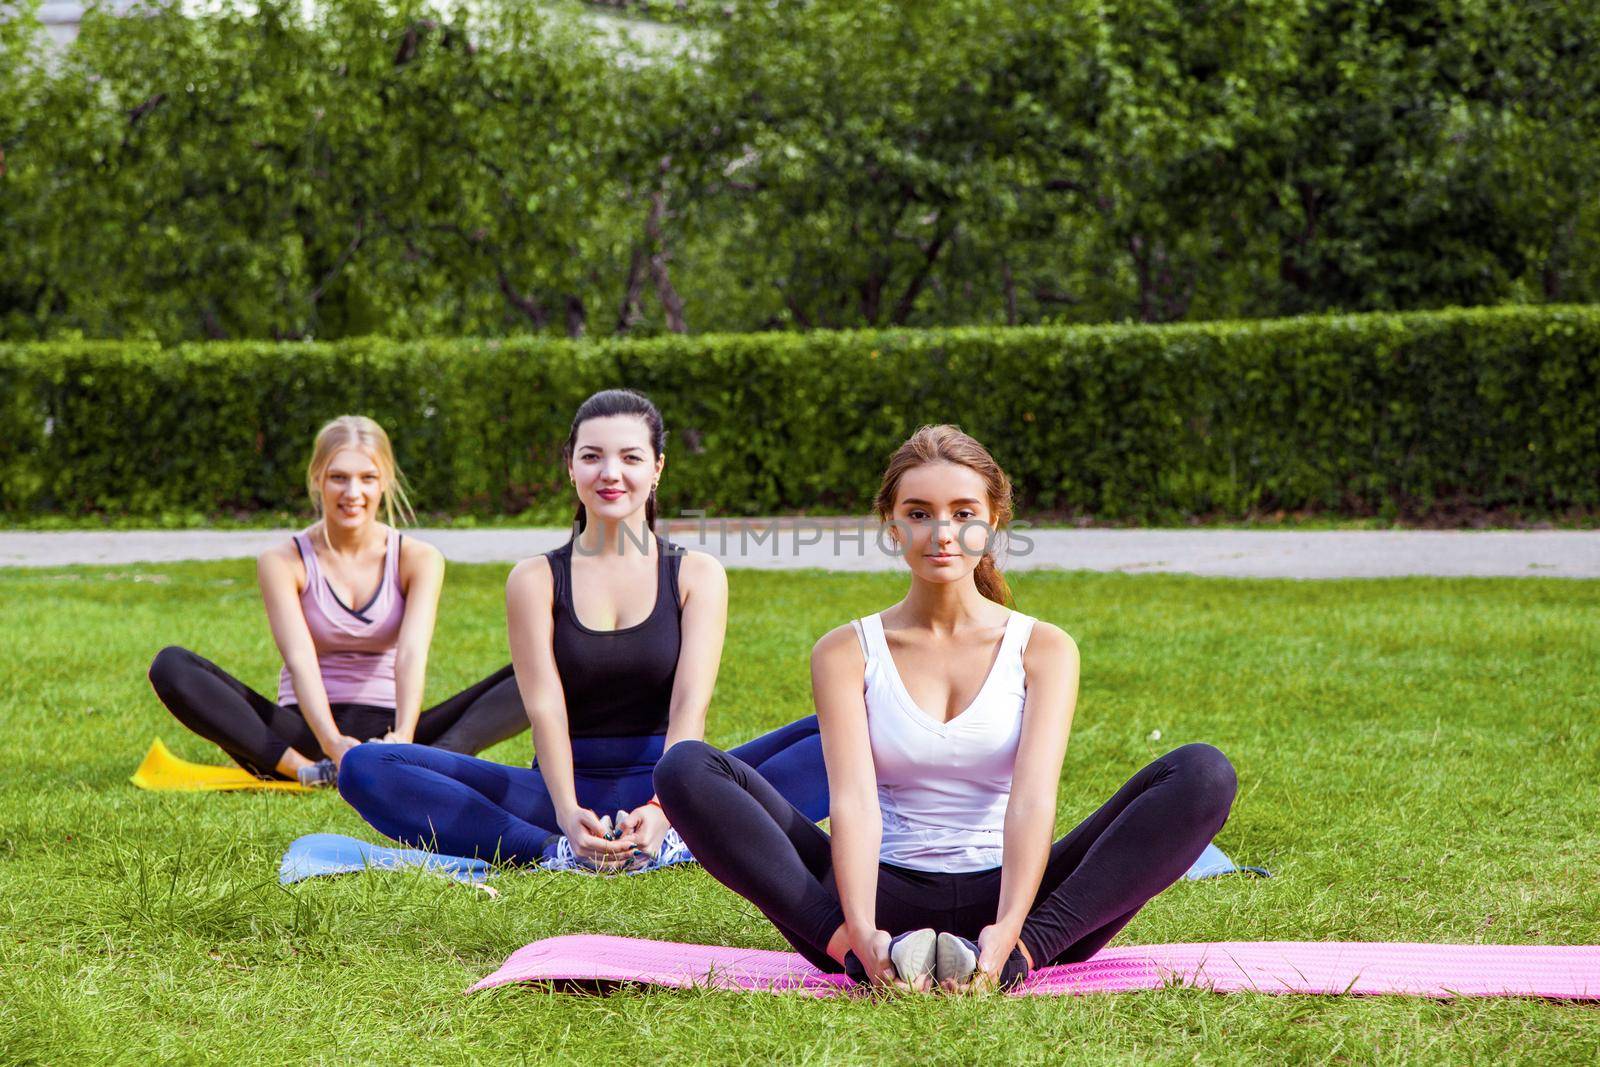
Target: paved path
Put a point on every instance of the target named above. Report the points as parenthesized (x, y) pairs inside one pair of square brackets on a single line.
[(836, 545)]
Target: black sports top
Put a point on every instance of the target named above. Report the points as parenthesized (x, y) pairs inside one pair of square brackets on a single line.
[(618, 683)]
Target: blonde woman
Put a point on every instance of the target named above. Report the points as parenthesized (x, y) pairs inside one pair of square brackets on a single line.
[(351, 604)]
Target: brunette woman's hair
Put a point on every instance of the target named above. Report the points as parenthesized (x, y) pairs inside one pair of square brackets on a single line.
[(948, 444), (604, 404)]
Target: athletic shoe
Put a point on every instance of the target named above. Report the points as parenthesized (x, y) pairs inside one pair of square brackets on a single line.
[(550, 852), (912, 954), (955, 959), (559, 855), (1015, 970), (319, 775), (673, 851)]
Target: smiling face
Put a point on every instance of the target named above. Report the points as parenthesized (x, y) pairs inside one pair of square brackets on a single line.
[(613, 466), (352, 489), (942, 520)]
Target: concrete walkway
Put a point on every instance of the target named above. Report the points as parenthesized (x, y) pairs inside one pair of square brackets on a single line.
[(848, 546)]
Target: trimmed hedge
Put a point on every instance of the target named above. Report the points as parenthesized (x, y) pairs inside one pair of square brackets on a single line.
[(1354, 414)]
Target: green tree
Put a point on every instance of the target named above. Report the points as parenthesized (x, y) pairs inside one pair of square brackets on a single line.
[(396, 167), (858, 161), (25, 292), (1413, 133)]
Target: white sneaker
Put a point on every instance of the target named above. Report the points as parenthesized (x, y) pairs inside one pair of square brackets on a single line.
[(955, 959), (912, 954)]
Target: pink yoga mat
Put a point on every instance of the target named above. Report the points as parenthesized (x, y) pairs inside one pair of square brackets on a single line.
[(1555, 971)]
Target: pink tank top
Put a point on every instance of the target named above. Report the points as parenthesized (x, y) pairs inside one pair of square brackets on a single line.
[(355, 644)]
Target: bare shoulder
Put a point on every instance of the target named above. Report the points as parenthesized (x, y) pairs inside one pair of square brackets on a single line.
[(280, 561), (530, 589), (419, 560), (701, 571), (1050, 645), (416, 552), (530, 577), (281, 573), (839, 648)]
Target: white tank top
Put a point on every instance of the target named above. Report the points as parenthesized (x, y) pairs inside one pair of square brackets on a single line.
[(943, 786)]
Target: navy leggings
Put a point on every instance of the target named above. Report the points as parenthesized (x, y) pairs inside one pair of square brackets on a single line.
[(1097, 877), (463, 806)]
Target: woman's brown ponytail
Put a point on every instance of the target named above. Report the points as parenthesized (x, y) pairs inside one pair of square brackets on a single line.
[(991, 583)]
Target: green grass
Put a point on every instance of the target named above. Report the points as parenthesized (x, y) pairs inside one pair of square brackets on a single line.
[(1416, 761)]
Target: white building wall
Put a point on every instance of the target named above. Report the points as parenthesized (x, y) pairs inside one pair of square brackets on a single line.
[(61, 18)]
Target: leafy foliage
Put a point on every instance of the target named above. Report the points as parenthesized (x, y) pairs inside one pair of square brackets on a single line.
[(402, 168), (1379, 413)]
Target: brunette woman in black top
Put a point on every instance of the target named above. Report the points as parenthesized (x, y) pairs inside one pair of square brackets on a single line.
[(616, 638)]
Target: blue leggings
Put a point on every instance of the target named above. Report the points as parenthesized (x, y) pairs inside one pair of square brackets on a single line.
[(464, 806)]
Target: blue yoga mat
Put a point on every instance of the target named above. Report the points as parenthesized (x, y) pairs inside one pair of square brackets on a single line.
[(315, 855), (323, 854), (1214, 862)]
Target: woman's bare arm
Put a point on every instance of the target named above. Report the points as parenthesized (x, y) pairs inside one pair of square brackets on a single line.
[(421, 578), (280, 574), (530, 626), (856, 821), (703, 622), (703, 625), (1051, 664)]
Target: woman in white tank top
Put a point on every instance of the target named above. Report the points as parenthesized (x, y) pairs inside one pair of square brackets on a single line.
[(944, 727)]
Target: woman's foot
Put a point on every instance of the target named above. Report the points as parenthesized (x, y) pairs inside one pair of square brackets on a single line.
[(1016, 968), (955, 960), (319, 775), (956, 963), (912, 954), (559, 855), (673, 851)]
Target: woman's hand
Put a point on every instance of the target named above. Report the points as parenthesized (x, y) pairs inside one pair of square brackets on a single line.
[(643, 829), (994, 948), (872, 949), (394, 737), (587, 834), (338, 746)]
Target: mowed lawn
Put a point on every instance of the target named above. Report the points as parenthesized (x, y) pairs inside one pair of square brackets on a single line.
[(1417, 762)]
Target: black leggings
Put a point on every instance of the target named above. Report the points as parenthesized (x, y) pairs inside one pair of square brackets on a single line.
[(1140, 841), (255, 732)]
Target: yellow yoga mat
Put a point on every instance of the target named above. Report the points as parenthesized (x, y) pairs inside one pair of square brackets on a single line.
[(163, 772)]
